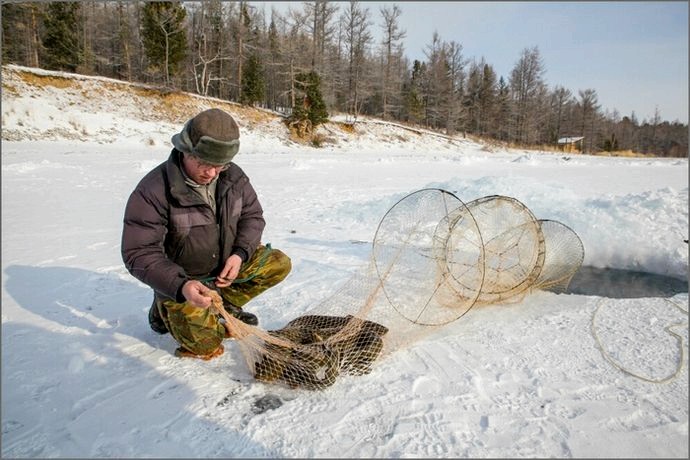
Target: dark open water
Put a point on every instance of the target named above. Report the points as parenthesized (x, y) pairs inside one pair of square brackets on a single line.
[(624, 284)]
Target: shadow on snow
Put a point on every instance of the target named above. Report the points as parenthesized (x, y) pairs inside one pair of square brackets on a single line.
[(71, 388)]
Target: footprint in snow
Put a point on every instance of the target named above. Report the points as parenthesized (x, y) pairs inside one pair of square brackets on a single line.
[(266, 403)]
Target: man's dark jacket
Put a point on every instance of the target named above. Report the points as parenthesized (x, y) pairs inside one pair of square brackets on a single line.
[(171, 235)]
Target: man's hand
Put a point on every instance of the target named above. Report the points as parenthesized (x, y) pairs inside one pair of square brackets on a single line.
[(196, 293), (229, 272)]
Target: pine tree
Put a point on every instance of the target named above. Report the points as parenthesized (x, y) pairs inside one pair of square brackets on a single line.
[(472, 99), (253, 84), (20, 33), (272, 67), (503, 127), (413, 94), (164, 34), (487, 99), (61, 41), (310, 109)]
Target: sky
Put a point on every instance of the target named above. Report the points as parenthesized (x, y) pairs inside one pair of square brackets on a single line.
[(634, 54), (600, 371)]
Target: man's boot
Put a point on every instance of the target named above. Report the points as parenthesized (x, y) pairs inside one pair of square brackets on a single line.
[(240, 314), (181, 352), (155, 320)]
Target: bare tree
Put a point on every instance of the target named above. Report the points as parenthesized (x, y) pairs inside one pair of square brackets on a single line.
[(454, 64), (322, 27), (243, 24), (656, 121), (357, 40), (435, 82), (164, 32), (588, 107), (107, 35), (21, 42), (561, 99), (392, 38), (527, 85), (124, 37), (210, 47), (296, 41), (444, 84), (320, 14)]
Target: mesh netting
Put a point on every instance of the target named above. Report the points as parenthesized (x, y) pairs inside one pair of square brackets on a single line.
[(433, 259)]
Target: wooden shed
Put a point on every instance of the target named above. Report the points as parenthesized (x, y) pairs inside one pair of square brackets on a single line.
[(570, 144)]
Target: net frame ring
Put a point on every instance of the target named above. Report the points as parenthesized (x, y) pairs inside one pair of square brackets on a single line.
[(565, 254), (403, 237), (500, 219)]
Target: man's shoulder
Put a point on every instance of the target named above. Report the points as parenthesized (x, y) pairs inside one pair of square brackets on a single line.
[(154, 179), (234, 172), (236, 168)]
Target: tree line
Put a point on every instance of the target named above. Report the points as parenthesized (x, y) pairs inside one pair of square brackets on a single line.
[(317, 57)]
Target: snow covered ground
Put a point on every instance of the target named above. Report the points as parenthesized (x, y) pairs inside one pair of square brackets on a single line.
[(569, 375)]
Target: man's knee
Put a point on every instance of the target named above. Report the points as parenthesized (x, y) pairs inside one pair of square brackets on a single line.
[(196, 329), (281, 265)]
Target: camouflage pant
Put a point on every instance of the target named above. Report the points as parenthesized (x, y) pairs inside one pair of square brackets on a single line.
[(198, 329)]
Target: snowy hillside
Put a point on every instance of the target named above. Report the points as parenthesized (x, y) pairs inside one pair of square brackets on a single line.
[(600, 371), (83, 108)]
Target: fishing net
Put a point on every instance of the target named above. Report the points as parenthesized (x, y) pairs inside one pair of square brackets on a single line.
[(433, 259)]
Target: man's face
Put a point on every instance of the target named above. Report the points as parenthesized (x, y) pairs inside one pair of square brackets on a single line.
[(200, 172)]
